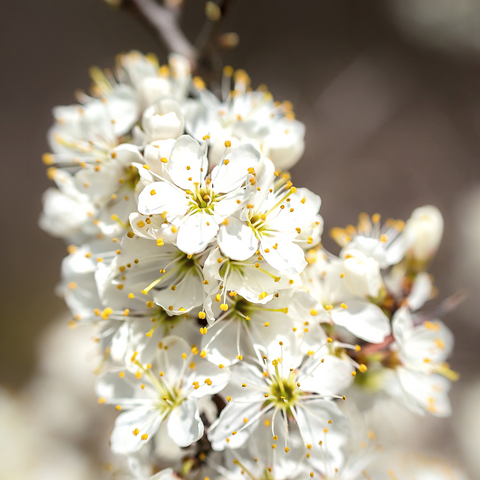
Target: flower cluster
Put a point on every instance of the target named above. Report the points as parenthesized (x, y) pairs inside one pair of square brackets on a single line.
[(230, 338)]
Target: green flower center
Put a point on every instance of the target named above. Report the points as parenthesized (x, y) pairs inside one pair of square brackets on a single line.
[(202, 199), (283, 392)]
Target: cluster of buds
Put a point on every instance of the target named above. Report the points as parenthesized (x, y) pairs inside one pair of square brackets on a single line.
[(229, 337)]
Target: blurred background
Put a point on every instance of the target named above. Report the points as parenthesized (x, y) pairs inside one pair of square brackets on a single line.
[(390, 94)]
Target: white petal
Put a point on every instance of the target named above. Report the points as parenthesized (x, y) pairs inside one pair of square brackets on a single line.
[(313, 418), (332, 377), (283, 255), (232, 174), (184, 424), (145, 419), (430, 392), (285, 144), (187, 295), (364, 319), (203, 370), (165, 198), (222, 343), (187, 161), (237, 240), (421, 291), (170, 358), (230, 420), (196, 232)]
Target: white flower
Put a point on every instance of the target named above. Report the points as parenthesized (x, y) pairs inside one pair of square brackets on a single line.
[(386, 244), (240, 327), (253, 279), (91, 130), (67, 213), (78, 286), (422, 373), (290, 384), (276, 222), (167, 390), (246, 116), (152, 272), (153, 81), (425, 230), (110, 185), (332, 301), (193, 203)]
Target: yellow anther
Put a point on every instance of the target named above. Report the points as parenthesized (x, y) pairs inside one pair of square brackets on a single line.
[(48, 159)]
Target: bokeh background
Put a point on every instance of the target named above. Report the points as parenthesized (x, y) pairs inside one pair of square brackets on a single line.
[(390, 94)]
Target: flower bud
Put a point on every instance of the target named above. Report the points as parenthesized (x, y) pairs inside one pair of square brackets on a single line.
[(424, 230), (285, 143), (362, 273), (163, 120), (151, 89)]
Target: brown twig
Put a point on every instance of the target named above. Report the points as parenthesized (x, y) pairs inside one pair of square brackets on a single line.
[(449, 304), (164, 22)]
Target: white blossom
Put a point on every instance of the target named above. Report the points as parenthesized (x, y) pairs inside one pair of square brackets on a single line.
[(193, 203), (166, 390), (422, 374), (276, 221), (246, 116)]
